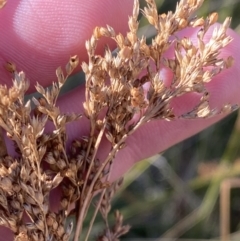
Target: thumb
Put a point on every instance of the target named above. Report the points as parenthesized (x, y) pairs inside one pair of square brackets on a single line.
[(41, 35)]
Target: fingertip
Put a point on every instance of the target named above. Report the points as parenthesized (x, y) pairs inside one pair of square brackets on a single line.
[(6, 234), (54, 26), (41, 35)]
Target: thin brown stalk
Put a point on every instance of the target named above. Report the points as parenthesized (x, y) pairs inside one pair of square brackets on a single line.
[(98, 206), (90, 189), (3, 147), (87, 197), (95, 214)]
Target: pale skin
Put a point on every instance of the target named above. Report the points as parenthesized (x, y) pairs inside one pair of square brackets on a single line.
[(40, 35)]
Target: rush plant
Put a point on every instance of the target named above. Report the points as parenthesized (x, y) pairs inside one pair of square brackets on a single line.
[(123, 92)]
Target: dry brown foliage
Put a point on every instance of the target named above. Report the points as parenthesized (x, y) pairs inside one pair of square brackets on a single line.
[(113, 87)]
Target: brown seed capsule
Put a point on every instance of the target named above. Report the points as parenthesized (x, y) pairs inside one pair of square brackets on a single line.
[(50, 219), (198, 23), (60, 231), (213, 18), (183, 23), (10, 67), (125, 52), (96, 33), (229, 62)]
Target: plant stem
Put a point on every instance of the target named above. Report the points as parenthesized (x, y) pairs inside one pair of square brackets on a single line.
[(101, 168), (95, 214), (3, 147), (83, 208)]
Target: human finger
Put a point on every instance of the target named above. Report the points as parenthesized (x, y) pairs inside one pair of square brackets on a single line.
[(157, 136), (39, 36)]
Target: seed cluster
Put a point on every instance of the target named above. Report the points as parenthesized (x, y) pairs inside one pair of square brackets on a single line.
[(123, 91)]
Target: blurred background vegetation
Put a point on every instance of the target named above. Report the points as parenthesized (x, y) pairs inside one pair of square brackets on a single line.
[(176, 195)]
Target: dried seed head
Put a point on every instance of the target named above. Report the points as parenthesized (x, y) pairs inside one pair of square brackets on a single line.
[(198, 22), (138, 98), (229, 62), (182, 23), (51, 217), (9, 66), (213, 18), (60, 231), (72, 64), (60, 76), (125, 53), (118, 101), (22, 236)]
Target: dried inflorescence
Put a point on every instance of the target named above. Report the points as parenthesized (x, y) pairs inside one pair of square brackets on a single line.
[(124, 90)]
